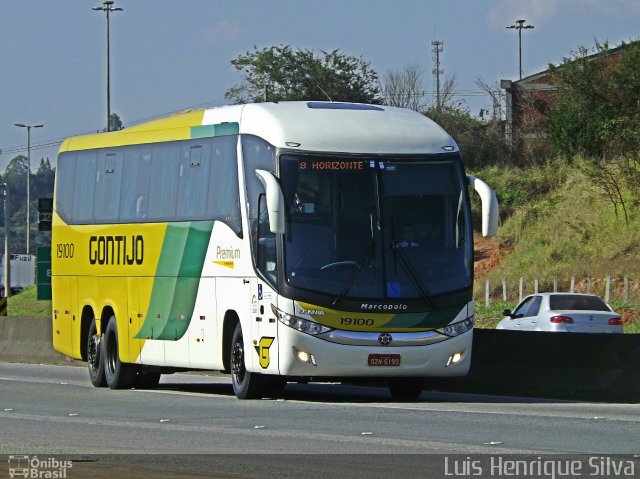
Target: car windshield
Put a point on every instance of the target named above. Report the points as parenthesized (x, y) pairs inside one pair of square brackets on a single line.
[(374, 228), (575, 302)]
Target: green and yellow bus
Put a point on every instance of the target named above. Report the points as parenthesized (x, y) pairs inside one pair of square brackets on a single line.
[(276, 242)]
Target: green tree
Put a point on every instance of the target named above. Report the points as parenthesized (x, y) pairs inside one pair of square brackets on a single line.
[(115, 123), (282, 73), (42, 181), (15, 176), (481, 142), (596, 115)]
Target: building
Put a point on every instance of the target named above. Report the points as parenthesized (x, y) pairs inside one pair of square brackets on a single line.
[(529, 101)]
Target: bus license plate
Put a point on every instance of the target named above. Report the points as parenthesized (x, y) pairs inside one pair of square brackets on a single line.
[(384, 360)]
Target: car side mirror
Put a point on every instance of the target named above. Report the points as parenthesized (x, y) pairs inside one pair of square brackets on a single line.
[(507, 312)]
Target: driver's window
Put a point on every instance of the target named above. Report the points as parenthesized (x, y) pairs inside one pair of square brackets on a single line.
[(521, 310), (534, 307), (265, 244), (529, 307)]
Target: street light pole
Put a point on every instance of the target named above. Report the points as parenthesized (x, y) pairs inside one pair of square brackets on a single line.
[(7, 262), (107, 7), (519, 25), (28, 127)]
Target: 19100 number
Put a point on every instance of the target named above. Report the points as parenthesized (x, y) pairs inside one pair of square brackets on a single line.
[(356, 321), (65, 250)]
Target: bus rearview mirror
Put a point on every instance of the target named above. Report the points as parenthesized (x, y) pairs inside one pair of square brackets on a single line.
[(275, 201), (489, 206)]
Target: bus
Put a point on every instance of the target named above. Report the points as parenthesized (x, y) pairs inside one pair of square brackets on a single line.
[(277, 242)]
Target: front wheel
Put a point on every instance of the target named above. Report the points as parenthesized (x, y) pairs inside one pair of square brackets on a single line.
[(406, 389), (95, 357), (119, 375), (246, 385)]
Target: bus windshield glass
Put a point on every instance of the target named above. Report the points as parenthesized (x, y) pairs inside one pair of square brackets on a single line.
[(377, 228)]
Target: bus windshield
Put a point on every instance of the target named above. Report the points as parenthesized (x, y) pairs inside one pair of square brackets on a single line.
[(388, 228)]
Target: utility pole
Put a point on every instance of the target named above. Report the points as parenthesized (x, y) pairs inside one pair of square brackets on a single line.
[(28, 127), (438, 46), (519, 25), (107, 7)]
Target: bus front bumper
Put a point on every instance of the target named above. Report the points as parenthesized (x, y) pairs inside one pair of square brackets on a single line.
[(304, 355)]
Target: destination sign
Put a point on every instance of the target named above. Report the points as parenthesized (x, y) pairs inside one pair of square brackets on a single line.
[(319, 165)]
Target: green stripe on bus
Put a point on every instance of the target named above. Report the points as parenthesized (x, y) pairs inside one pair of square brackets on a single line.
[(175, 286), (433, 320), (221, 129)]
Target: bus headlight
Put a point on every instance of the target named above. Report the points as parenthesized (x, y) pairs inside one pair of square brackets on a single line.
[(458, 328), (300, 324)]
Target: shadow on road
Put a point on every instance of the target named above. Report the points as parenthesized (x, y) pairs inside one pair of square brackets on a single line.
[(352, 393)]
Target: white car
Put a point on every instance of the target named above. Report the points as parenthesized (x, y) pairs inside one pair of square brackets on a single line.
[(562, 312)]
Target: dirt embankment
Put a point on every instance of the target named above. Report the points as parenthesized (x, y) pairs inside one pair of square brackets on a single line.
[(486, 255)]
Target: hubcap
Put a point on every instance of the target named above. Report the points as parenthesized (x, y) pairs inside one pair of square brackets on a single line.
[(93, 353), (237, 361)]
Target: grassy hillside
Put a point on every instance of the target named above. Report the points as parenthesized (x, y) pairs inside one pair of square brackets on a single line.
[(25, 304), (566, 228), (556, 224)]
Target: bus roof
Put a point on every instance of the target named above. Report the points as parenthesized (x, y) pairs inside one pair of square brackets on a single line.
[(309, 126)]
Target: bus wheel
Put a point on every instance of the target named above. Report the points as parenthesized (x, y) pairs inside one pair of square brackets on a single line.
[(246, 385), (146, 380), (406, 389), (95, 358), (119, 375)]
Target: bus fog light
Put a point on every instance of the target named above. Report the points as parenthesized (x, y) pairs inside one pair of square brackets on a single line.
[(455, 358), (306, 357)]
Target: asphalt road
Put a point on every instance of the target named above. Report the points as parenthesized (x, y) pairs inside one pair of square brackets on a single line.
[(55, 410)]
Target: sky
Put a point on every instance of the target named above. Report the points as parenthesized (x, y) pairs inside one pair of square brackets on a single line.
[(168, 56)]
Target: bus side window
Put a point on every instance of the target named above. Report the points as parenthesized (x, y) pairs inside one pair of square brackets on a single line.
[(135, 184), (223, 200), (84, 187)]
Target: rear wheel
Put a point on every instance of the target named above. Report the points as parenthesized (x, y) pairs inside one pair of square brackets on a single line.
[(406, 389), (95, 358), (119, 375), (246, 385)]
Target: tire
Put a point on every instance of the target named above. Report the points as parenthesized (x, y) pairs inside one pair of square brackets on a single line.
[(246, 385), (406, 389), (95, 357), (119, 375), (146, 380)]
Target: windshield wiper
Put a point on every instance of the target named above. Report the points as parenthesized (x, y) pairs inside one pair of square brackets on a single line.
[(410, 271), (364, 262)]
